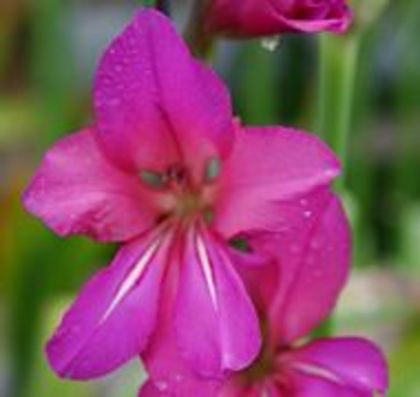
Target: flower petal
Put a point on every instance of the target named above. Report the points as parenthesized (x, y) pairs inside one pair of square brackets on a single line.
[(217, 325), (351, 364), (313, 258), (181, 386), (114, 315), (169, 373), (267, 166), (78, 191), (155, 105)]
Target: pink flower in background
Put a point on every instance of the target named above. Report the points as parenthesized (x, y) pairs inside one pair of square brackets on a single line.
[(293, 293), (167, 172), (269, 17)]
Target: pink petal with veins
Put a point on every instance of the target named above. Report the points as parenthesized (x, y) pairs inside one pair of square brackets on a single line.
[(267, 166), (314, 261), (114, 315), (155, 104), (78, 191), (351, 366), (217, 326)]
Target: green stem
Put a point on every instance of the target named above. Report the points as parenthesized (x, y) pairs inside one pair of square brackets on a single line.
[(337, 73), (338, 64), (200, 40), (164, 6)]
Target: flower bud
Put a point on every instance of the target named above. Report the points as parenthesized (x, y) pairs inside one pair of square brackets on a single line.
[(250, 18)]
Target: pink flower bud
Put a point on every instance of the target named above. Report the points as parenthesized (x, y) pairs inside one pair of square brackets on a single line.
[(247, 18)]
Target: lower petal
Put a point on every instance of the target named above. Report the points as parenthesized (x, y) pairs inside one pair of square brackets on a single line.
[(353, 366), (169, 373), (217, 326), (114, 315)]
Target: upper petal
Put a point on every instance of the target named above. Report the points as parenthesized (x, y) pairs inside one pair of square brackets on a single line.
[(114, 315), (78, 191), (314, 261), (267, 166), (351, 365), (217, 326), (155, 105)]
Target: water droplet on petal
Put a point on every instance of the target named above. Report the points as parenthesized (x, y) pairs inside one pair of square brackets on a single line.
[(303, 202), (307, 214), (161, 385)]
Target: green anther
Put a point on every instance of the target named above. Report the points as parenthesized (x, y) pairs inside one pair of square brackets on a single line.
[(153, 179), (213, 170)]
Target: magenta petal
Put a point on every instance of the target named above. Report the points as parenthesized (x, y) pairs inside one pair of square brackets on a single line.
[(267, 166), (216, 323), (313, 258), (187, 386), (155, 105), (257, 270), (353, 364), (312, 386), (169, 373), (113, 316), (78, 191)]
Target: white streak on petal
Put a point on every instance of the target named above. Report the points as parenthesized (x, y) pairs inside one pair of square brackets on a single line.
[(320, 372), (133, 277), (207, 270)]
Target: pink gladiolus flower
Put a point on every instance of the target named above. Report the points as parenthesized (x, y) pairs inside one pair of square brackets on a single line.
[(292, 294), (166, 171), (269, 17)]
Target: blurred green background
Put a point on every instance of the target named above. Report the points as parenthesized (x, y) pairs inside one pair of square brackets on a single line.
[(48, 53)]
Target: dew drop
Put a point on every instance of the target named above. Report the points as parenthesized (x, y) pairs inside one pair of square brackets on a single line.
[(307, 214), (270, 43), (303, 202), (161, 385)]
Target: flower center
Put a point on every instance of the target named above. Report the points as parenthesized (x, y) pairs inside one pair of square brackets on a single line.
[(183, 197)]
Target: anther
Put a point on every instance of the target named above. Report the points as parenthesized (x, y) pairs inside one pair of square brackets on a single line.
[(153, 179), (213, 170)]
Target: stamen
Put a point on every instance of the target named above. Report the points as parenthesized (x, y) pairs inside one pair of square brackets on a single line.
[(213, 170), (153, 179)]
